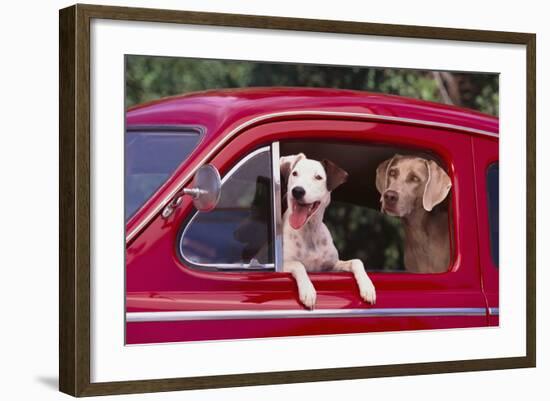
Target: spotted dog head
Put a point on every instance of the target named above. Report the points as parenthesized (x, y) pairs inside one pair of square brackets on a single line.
[(310, 183)]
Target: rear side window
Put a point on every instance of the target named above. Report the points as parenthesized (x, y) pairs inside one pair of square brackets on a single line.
[(151, 156), (492, 196)]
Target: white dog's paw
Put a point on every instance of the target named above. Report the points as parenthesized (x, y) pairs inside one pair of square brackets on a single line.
[(367, 291), (308, 295)]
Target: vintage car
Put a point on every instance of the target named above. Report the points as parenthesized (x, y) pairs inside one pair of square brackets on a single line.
[(204, 263)]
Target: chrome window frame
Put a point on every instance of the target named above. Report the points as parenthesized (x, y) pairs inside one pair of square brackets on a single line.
[(277, 206), (237, 266)]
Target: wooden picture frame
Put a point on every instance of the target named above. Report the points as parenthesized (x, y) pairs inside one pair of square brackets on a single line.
[(75, 199)]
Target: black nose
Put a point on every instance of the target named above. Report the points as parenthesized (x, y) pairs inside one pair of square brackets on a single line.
[(298, 192), (391, 197)]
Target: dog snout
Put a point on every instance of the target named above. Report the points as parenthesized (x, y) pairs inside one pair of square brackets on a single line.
[(298, 192), (391, 198)]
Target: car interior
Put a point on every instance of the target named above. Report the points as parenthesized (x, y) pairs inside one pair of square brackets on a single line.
[(358, 228)]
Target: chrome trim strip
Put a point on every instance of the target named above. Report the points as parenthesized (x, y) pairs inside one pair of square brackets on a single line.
[(230, 134), (493, 312), (299, 314), (277, 208), (199, 129), (228, 266)]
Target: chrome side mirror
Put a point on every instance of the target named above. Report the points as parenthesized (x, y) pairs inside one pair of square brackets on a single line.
[(206, 191), (208, 186)]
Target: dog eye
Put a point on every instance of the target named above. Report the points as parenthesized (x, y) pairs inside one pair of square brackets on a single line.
[(392, 173), (414, 178), (294, 173), (318, 177)]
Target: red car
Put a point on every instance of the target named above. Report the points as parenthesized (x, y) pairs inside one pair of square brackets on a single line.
[(203, 264)]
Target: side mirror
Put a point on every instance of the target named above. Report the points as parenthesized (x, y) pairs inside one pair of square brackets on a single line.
[(206, 191), (207, 188)]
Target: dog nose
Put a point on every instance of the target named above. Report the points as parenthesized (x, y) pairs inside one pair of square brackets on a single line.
[(391, 197), (298, 192)]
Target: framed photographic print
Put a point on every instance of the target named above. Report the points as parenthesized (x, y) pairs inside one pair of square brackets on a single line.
[(312, 200)]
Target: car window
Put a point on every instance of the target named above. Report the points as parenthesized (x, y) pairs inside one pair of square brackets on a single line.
[(151, 156), (358, 227), (492, 197), (238, 233)]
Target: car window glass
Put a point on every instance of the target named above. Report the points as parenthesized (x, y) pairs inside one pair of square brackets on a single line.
[(151, 156), (492, 195), (238, 233)]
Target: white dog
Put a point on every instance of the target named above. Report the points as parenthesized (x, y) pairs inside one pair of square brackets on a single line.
[(307, 243)]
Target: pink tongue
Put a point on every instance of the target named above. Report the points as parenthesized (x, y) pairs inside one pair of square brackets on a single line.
[(298, 216)]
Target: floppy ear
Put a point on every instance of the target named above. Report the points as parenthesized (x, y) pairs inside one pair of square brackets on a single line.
[(336, 175), (382, 174), (437, 186), (287, 163)]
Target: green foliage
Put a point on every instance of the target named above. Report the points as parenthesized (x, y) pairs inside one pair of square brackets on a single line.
[(366, 234), (149, 78), (487, 101)]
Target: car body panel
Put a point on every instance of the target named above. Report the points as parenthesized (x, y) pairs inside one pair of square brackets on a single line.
[(485, 154), (158, 281)]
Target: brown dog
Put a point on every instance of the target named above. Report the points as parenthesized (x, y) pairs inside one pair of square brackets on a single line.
[(410, 188)]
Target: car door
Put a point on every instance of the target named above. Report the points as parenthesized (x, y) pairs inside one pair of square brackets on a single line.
[(487, 181), (174, 296)]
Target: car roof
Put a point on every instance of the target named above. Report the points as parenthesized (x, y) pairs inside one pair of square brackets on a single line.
[(217, 110)]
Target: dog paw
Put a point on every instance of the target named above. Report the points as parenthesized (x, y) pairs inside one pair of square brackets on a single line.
[(367, 292), (308, 295)]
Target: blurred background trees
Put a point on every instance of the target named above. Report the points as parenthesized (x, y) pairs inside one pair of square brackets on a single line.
[(149, 78)]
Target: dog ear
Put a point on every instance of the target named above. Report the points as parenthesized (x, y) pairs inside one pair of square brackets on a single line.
[(287, 163), (336, 175), (437, 186), (382, 174)]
